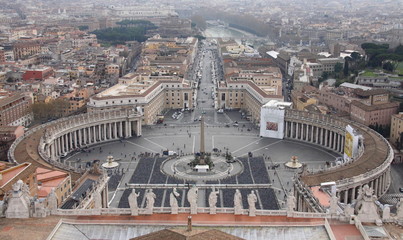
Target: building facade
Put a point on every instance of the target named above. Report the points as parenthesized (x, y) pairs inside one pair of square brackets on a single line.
[(15, 110)]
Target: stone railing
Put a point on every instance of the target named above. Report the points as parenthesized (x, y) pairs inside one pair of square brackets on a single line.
[(200, 210)]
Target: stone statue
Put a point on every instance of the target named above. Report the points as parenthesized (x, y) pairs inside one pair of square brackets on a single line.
[(173, 201), (386, 213), (133, 202), (252, 199), (212, 201), (291, 202), (399, 210), (348, 211), (150, 200), (192, 199), (238, 206), (25, 192), (97, 200), (333, 204), (39, 209), (52, 201), (17, 186), (367, 210)]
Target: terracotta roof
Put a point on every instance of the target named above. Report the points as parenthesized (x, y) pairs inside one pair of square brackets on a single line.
[(7, 100), (180, 233), (375, 106), (371, 92), (28, 170)]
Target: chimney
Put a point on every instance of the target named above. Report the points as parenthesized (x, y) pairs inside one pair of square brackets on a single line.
[(189, 224)]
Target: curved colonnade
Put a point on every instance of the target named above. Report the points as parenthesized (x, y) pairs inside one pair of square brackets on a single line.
[(372, 166), (55, 139)]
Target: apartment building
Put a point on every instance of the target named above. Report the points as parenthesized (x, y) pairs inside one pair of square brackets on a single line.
[(373, 107), (15, 110), (23, 50), (396, 128)]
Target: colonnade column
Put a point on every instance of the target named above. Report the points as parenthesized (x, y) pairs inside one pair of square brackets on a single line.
[(120, 129), (63, 144), (99, 133), (292, 130), (75, 139), (138, 127), (85, 136), (115, 130), (71, 140), (58, 151)]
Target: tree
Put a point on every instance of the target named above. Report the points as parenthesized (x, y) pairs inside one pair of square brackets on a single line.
[(323, 77), (338, 67), (388, 66), (83, 27), (199, 37), (346, 70), (355, 56)]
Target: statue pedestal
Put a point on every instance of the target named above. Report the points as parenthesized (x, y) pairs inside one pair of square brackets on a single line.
[(17, 206)]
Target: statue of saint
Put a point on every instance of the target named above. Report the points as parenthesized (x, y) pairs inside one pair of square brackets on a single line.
[(212, 200), (97, 200), (333, 204), (150, 200), (192, 199), (399, 210), (252, 199), (133, 202), (367, 210), (290, 202), (173, 201), (386, 213), (52, 201), (238, 206)]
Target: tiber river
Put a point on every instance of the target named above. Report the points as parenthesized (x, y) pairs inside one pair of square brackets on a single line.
[(214, 31)]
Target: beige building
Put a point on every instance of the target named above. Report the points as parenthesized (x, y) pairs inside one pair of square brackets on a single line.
[(302, 101), (373, 107), (247, 96), (158, 84), (396, 128), (151, 94)]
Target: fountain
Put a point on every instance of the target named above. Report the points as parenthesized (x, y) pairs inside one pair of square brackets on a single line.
[(110, 163), (294, 164)]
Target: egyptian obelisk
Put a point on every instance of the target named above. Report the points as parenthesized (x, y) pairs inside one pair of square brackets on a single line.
[(202, 150)]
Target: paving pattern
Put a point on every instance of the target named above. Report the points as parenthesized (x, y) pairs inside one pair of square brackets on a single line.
[(148, 172)]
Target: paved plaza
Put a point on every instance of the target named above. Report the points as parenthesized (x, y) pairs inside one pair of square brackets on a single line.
[(184, 139)]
